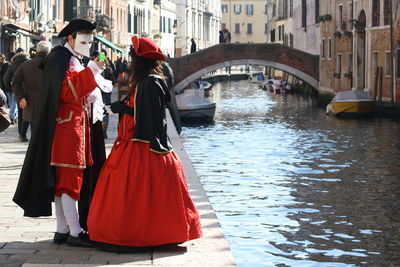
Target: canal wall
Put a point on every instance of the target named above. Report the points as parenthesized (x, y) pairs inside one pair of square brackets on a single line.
[(226, 77)]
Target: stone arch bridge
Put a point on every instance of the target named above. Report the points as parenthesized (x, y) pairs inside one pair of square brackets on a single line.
[(298, 63)]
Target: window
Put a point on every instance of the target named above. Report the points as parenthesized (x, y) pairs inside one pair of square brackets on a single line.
[(341, 22), (349, 63), (224, 8), (266, 9), (386, 13), (129, 19), (272, 36), (273, 10), (281, 33), (286, 40), (237, 9), (237, 27), (388, 64), (249, 10), (169, 25), (290, 40), (249, 28), (285, 9), (375, 12), (266, 28), (329, 48), (316, 10), (223, 26), (375, 57), (398, 63), (291, 8), (323, 48), (304, 13), (339, 64), (351, 16)]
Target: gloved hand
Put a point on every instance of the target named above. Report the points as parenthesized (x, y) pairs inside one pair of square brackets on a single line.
[(120, 107)]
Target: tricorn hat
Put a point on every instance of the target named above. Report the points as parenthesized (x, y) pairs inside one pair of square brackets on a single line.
[(145, 47), (77, 25)]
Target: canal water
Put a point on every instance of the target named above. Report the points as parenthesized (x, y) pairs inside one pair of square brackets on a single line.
[(292, 186)]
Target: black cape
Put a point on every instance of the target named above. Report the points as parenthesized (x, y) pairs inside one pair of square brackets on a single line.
[(35, 190), (151, 124)]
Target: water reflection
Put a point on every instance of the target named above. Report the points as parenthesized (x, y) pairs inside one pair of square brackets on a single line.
[(294, 187)]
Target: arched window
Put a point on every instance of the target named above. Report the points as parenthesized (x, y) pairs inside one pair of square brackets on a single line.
[(376, 10)]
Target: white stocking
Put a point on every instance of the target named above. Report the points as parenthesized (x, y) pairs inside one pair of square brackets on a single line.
[(71, 214), (62, 226)]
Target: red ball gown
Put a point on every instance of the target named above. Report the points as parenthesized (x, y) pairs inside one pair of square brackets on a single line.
[(141, 197)]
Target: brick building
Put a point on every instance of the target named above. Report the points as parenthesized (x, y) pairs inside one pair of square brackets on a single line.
[(359, 47)]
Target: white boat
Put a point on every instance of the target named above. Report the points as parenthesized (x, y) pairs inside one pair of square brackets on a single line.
[(192, 105)]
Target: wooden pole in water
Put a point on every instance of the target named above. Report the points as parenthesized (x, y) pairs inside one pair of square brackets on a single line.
[(380, 84), (374, 93)]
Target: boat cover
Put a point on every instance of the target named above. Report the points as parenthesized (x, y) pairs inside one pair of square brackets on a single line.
[(352, 96)]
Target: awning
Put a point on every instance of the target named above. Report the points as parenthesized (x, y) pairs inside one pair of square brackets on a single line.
[(20, 29), (111, 45)]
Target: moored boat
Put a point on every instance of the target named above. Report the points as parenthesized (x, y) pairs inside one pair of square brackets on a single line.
[(354, 102), (192, 105)]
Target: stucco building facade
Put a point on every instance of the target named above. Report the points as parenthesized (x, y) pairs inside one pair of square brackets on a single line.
[(245, 20), (197, 19)]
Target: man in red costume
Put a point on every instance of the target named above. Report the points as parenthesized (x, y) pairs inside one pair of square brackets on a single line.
[(59, 150)]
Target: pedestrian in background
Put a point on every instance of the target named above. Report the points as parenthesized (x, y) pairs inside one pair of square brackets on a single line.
[(193, 47), (141, 198), (16, 61), (227, 36), (4, 118), (27, 81), (221, 37), (11, 102)]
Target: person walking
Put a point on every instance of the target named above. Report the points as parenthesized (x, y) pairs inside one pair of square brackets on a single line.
[(59, 150), (16, 61), (227, 36), (142, 186), (27, 80), (193, 46), (221, 37)]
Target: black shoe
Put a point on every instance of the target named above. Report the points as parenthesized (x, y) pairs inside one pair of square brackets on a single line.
[(60, 238), (23, 139), (82, 240)]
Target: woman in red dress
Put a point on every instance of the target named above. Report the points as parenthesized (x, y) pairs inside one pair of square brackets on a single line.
[(141, 198)]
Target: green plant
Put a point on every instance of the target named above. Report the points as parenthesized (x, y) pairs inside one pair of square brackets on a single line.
[(337, 34), (323, 18)]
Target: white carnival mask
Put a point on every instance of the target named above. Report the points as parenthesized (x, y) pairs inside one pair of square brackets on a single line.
[(83, 42)]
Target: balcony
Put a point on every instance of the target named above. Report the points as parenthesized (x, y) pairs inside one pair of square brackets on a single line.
[(104, 23)]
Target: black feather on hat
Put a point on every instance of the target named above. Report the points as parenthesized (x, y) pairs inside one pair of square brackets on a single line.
[(77, 25)]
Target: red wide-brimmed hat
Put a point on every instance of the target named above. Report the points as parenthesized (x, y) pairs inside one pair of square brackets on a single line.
[(145, 47)]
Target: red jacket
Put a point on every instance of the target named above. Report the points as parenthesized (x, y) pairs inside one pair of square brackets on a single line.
[(71, 143)]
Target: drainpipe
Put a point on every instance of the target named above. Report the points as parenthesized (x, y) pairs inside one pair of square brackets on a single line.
[(392, 84)]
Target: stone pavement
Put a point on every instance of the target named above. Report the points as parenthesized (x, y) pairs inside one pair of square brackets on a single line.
[(27, 241)]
